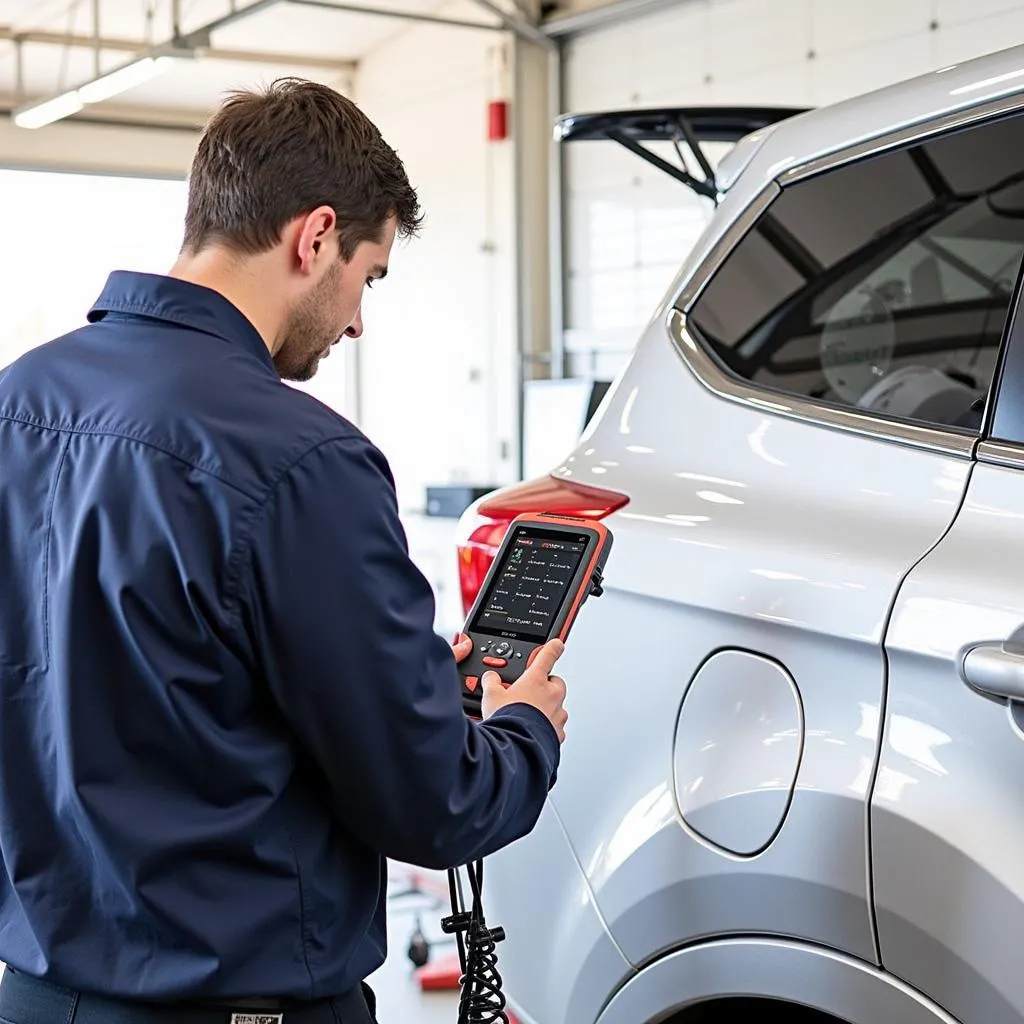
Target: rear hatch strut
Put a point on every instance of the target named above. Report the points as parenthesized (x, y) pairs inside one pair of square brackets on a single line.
[(691, 127)]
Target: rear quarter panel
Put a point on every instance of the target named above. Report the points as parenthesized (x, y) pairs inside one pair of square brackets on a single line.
[(744, 529)]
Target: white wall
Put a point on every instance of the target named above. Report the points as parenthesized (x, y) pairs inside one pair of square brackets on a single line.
[(438, 364), (628, 226), (70, 146), (438, 356)]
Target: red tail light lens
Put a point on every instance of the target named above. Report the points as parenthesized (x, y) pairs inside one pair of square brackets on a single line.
[(476, 553), (483, 533)]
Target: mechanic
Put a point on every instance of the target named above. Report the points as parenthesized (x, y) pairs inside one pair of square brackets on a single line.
[(222, 699)]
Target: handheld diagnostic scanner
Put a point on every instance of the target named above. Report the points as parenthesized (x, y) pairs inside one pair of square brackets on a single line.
[(546, 568)]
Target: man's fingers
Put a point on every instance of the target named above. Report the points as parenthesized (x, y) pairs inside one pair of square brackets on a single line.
[(547, 656), (491, 681)]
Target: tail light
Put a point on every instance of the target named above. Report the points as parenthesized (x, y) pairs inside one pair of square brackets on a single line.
[(482, 533)]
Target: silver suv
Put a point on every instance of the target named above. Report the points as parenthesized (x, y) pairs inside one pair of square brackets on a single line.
[(794, 778)]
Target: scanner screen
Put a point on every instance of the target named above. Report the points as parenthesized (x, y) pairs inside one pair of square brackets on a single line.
[(531, 585)]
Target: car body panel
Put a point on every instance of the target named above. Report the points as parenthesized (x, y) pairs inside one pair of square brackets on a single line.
[(768, 533), (948, 809), (552, 919), (791, 972), (736, 161)]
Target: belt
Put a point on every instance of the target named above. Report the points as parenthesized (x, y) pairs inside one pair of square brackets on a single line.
[(28, 1000)]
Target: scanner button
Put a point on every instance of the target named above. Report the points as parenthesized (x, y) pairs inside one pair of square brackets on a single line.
[(495, 662), (471, 682), (503, 649)]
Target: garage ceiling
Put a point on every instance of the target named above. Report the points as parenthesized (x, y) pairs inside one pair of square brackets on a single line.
[(47, 47)]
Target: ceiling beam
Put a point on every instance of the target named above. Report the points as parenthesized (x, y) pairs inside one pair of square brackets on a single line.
[(9, 34), (601, 15), (515, 23), (387, 12)]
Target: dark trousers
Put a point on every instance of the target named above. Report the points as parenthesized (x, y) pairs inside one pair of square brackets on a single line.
[(28, 1000)]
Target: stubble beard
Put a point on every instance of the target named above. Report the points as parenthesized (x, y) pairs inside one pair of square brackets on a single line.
[(308, 334)]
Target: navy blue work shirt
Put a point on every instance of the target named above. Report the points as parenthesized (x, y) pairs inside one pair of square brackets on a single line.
[(222, 699)]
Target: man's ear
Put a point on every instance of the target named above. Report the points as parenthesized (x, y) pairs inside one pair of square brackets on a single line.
[(314, 230)]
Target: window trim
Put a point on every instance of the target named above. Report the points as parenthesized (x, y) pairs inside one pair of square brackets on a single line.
[(729, 386), (1001, 453), (1007, 392), (725, 385)]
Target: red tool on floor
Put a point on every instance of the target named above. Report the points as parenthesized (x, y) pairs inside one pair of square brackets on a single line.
[(442, 974)]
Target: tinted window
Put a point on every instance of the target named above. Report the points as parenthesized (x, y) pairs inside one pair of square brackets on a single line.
[(883, 285)]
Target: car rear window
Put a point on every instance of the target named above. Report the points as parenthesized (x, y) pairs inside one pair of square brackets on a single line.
[(883, 284)]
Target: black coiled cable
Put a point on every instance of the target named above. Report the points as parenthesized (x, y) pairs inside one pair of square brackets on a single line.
[(482, 1001)]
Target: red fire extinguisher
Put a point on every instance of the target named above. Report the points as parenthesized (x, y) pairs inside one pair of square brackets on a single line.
[(497, 120)]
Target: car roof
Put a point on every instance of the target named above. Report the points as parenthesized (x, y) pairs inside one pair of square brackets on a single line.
[(768, 153)]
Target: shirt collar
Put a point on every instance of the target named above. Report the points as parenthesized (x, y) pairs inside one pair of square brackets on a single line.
[(180, 302)]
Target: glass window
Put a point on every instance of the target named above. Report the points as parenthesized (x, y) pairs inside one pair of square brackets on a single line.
[(882, 285)]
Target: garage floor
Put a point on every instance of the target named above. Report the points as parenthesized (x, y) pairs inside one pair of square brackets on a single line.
[(399, 999)]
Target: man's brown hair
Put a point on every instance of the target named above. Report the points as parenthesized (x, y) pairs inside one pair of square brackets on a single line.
[(268, 156)]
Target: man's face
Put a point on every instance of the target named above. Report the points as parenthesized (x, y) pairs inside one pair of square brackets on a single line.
[(331, 309)]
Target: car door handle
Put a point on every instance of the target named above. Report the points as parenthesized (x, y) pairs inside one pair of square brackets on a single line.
[(995, 669)]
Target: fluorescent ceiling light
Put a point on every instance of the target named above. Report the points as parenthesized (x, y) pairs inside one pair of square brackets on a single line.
[(36, 115), (40, 114), (123, 79)]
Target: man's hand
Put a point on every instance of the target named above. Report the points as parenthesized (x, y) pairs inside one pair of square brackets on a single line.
[(535, 686), (462, 647)]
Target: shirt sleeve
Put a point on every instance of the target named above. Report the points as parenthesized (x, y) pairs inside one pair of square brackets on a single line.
[(342, 623)]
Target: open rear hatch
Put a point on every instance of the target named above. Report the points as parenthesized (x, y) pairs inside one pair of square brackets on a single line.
[(689, 127)]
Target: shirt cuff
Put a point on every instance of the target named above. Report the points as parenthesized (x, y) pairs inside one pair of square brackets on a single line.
[(539, 727)]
